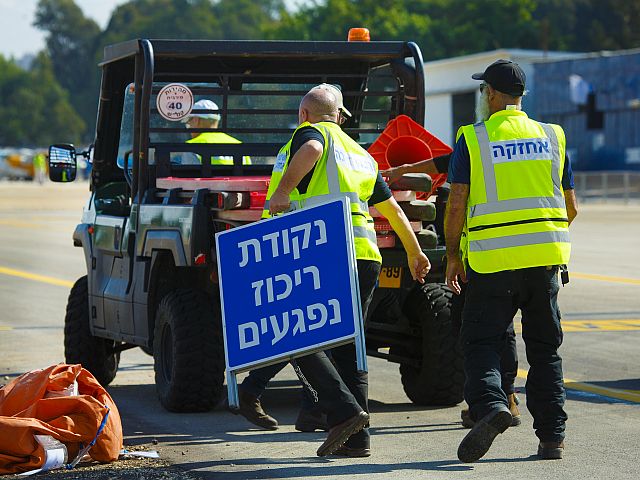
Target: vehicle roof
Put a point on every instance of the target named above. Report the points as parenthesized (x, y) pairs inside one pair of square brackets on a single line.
[(370, 52)]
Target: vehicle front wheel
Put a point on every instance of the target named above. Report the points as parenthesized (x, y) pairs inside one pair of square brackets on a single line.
[(188, 352), (96, 354), (439, 380)]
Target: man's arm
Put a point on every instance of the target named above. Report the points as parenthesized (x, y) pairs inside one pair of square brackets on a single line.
[(571, 203), (418, 262), (423, 166), (433, 166), (301, 164), (568, 186), (453, 224)]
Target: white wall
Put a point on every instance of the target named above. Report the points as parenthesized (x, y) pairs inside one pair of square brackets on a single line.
[(453, 75), (438, 117)]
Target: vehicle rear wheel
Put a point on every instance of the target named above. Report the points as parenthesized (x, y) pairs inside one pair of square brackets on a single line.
[(94, 353), (188, 352), (439, 380)]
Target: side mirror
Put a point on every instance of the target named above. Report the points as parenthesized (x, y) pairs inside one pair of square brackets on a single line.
[(62, 163)]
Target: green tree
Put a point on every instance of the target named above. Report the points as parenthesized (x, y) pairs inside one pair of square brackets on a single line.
[(592, 24), (71, 44), (246, 19), (440, 27), (171, 19), (446, 28), (35, 108), (191, 19)]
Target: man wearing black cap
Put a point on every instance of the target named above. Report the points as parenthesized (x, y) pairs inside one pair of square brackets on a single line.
[(512, 199)]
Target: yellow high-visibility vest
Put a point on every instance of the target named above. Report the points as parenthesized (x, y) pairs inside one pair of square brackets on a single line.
[(516, 213), (344, 169), (219, 137)]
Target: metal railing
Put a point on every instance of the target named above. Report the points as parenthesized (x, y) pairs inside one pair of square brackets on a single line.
[(608, 185)]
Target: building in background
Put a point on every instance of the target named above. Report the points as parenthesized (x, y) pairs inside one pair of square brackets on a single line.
[(594, 96)]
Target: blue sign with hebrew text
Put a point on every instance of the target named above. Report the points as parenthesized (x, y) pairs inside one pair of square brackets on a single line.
[(288, 285)]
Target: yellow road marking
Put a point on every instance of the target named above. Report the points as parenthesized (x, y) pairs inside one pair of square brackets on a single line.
[(596, 325), (4, 328), (35, 277), (604, 278), (21, 224), (628, 395)]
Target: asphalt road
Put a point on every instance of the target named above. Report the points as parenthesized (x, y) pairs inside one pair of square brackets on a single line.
[(601, 318)]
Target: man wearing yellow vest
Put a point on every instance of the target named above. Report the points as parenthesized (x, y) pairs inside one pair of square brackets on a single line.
[(512, 197), (206, 116), (319, 163)]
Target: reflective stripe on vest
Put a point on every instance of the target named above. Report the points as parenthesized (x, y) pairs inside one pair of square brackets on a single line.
[(333, 181), (512, 233), (219, 138), (486, 154), (518, 240), (363, 231)]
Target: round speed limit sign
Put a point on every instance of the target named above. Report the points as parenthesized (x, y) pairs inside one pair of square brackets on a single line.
[(174, 101)]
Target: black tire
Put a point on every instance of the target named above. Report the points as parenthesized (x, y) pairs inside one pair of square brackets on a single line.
[(94, 353), (440, 378), (188, 352)]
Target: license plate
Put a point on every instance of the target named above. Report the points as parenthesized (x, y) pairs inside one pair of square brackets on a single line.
[(390, 277)]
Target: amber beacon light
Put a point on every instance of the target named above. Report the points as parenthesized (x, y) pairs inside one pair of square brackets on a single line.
[(359, 35)]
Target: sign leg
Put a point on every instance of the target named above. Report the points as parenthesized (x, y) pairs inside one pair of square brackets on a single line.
[(232, 390), (361, 353)]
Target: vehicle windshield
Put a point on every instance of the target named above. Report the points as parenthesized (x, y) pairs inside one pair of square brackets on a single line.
[(251, 114)]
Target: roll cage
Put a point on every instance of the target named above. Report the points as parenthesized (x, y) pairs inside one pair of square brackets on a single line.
[(379, 80)]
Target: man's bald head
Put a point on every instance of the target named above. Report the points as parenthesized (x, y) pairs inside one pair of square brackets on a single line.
[(319, 104)]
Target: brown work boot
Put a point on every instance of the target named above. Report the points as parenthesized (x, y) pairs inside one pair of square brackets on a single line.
[(551, 450), (515, 411), (468, 422), (311, 420), (251, 409), (339, 434)]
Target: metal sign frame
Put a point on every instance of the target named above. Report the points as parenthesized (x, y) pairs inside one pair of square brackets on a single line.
[(356, 309)]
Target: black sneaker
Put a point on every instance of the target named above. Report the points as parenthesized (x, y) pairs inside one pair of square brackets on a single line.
[(345, 451), (478, 441)]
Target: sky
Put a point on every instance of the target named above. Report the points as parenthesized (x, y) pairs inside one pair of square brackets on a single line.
[(18, 37)]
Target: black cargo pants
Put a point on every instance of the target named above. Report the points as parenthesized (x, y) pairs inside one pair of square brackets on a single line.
[(491, 302), (342, 390), (508, 356)]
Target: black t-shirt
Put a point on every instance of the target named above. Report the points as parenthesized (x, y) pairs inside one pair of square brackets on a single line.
[(442, 163), (381, 191)]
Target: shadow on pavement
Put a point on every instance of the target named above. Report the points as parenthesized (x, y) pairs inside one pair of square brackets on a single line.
[(305, 468), (629, 384), (380, 407), (148, 423)]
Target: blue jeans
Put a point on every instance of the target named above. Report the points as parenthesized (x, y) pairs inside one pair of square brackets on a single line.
[(491, 302)]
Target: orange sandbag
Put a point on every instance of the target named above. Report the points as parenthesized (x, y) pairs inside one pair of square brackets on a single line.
[(73, 420)]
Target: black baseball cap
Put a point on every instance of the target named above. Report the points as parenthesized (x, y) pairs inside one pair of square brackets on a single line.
[(505, 76)]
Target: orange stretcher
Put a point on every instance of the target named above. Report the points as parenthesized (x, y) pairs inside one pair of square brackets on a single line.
[(29, 405)]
